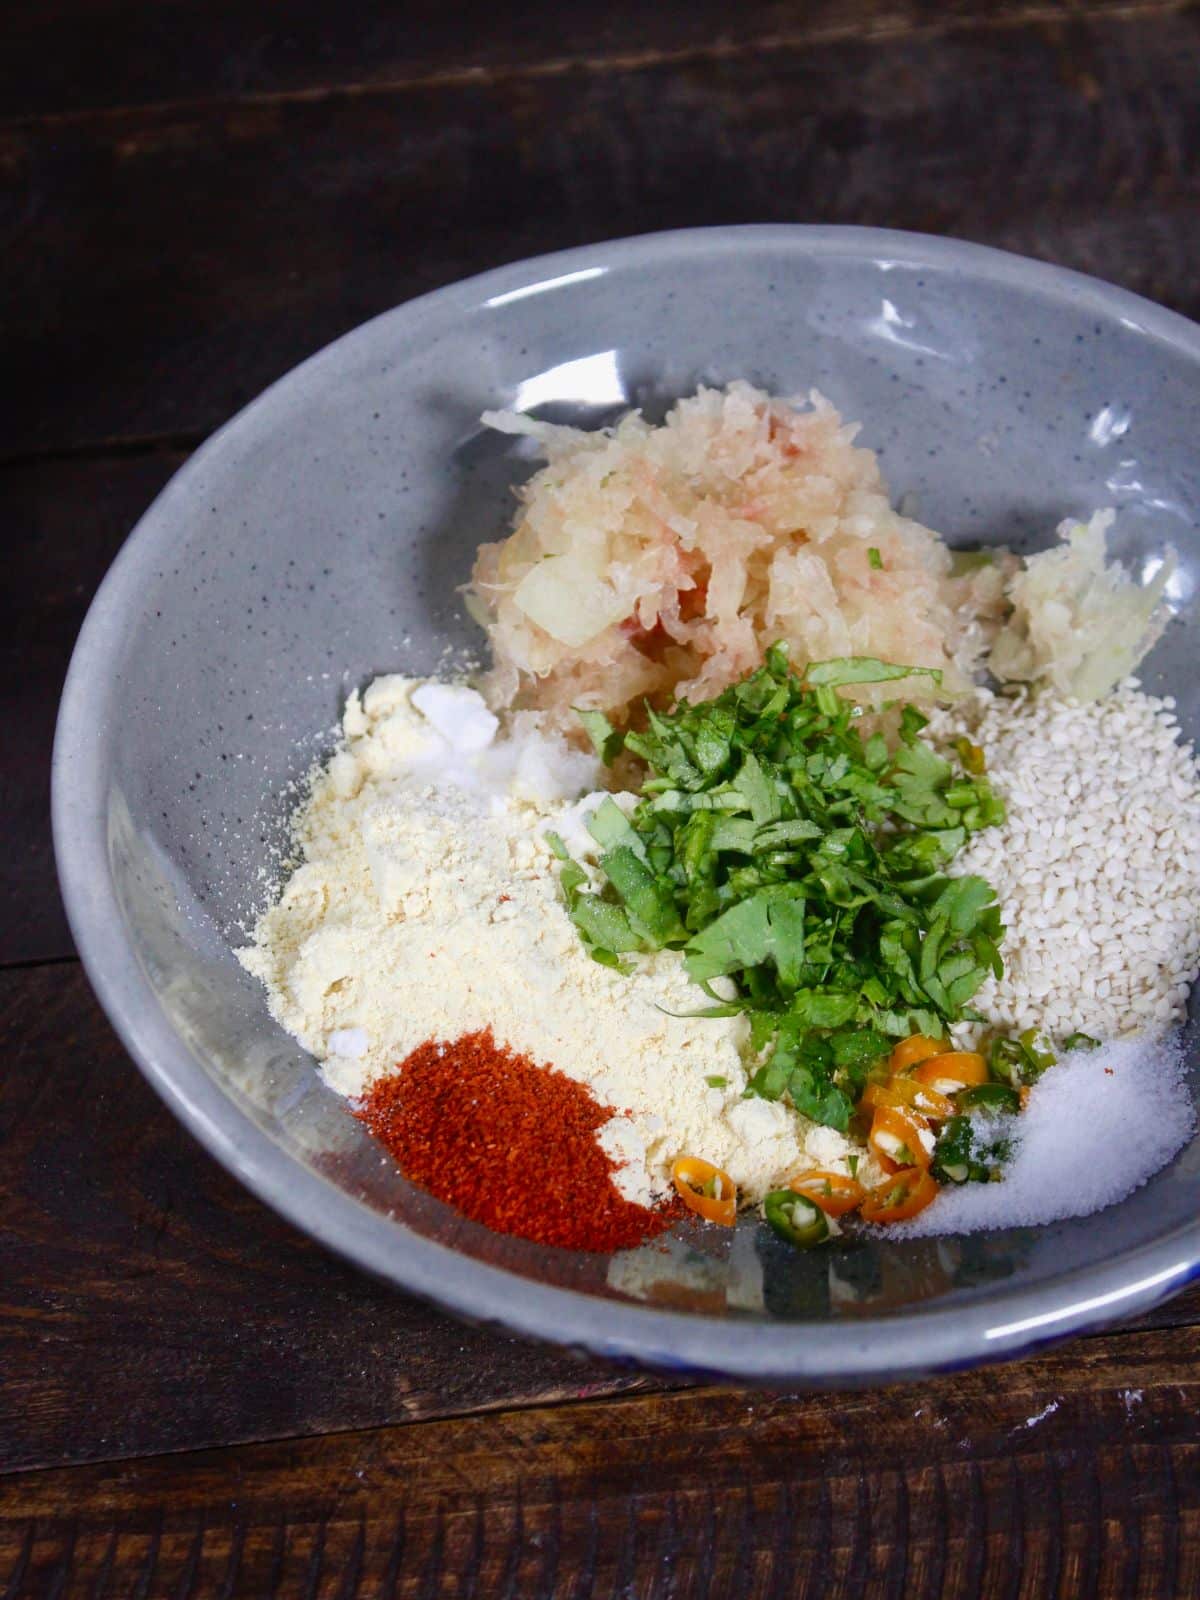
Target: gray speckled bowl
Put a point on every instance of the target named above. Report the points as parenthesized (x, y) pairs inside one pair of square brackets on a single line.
[(318, 538)]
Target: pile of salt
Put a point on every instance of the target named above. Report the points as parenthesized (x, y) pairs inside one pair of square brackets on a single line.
[(1098, 1125)]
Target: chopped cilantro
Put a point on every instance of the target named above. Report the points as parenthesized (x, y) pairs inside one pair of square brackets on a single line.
[(805, 867), (965, 1153), (874, 559), (864, 669), (606, 741)]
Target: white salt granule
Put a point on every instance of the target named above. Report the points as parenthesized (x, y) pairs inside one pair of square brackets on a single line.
[(349, 1042), (1097, 1126), (1047, 1410), (459, 715), (407, 732)]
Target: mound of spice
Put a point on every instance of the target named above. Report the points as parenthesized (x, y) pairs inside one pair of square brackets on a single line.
[(507, 1142)]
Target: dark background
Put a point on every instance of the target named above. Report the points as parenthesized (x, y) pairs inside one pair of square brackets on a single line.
[(193, 1399)]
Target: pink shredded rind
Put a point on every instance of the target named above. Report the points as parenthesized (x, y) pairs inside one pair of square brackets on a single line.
[(662, 561)]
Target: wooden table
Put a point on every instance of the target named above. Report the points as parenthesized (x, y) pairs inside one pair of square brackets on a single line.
[(194, 195)]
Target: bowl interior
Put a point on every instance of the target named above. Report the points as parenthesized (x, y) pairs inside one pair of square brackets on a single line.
[(319, 539)]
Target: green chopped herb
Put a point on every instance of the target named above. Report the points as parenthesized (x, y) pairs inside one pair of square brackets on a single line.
[(717, 1082), (874, 558), (804, 866), (768, 926), (609, 826), (606, 741), (603, 925), (852, 1163), (864, 669)]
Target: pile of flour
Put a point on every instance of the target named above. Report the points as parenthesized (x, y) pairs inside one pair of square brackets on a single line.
[(426, 906)]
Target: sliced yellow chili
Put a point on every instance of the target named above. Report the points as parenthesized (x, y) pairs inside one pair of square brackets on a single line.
[(919, 1048), (834, 1192), (910, 1094), (895, 1137), (903, 1195), (706, 1190), (952, 1071)]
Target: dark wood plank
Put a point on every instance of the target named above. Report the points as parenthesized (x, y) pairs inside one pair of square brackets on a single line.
[(1180, 1312), (1073, 1475), (133, 298), (160, 266), (149, 1303), (65, 56), (64, 522)]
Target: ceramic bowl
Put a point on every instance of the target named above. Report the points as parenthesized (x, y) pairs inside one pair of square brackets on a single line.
[(318, 539)]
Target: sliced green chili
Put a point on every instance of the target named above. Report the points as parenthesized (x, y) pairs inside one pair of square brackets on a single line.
[(795, 1218), (988, 1097)]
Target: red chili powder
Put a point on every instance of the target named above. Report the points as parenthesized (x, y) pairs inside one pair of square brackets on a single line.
[(508, 1143)]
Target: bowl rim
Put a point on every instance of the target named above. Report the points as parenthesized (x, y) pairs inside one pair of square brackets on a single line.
[(999, 1325)]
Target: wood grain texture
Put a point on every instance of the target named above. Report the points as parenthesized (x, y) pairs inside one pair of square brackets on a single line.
[(65, 57), (149, 1303), (1074, 1475), (64, 521), (160, 267), (192, 197)]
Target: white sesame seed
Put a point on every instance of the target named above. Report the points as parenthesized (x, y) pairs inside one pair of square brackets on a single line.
[(1097, 866)]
